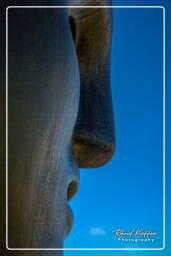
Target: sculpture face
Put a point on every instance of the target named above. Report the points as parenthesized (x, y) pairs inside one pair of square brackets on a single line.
[(59, 117)]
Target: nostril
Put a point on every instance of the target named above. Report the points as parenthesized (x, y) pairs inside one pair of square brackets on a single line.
[(72, 190), (92, 153)]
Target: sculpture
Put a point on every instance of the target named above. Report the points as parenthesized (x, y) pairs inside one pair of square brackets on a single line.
[(60, 116)]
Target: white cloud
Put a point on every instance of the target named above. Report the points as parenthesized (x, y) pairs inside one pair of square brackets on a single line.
[(97, 231)]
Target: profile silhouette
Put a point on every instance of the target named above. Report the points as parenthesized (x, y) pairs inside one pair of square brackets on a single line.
[(60, 115)]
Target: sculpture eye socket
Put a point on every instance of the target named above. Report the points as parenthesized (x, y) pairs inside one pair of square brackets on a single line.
[(73, 27), (72, 190)]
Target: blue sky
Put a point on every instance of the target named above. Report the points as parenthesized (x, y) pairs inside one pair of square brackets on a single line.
[(127, 192)]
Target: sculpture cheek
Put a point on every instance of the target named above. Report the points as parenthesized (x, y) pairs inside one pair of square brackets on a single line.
[(43, 103)]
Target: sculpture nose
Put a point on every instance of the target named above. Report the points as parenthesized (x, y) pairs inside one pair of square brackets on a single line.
[(94, 135)]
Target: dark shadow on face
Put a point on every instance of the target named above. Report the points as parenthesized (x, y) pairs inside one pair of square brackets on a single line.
[(60, 117)]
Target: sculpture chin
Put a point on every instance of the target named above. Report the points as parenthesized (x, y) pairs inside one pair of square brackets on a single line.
[(70, 220)]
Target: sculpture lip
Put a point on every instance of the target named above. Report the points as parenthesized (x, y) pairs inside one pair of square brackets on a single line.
[(70, 219)]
